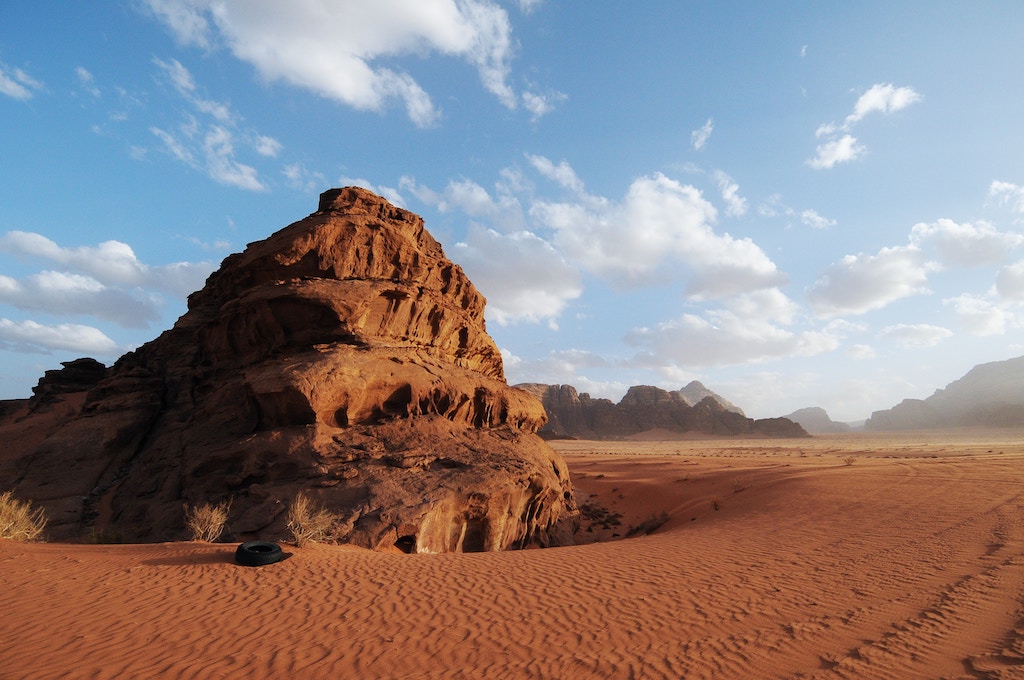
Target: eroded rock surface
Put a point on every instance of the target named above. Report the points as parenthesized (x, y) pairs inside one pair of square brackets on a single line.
[(344, 356)]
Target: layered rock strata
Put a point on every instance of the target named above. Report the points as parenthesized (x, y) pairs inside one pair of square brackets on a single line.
[(346, 357)]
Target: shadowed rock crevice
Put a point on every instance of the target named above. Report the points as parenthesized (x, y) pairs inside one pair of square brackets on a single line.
[(344, 357)]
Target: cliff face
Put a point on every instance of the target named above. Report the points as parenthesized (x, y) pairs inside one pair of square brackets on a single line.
[(344, 356), (990, 395), (645, 408)]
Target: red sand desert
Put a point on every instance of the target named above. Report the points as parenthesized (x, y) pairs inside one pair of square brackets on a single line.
[(855, 556)]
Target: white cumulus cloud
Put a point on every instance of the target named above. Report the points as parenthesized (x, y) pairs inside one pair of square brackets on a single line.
[(523, 277), (338, 50), (835, 151), (967, 244), (861, 283), (30, 336), (659, 221), (111, 263)]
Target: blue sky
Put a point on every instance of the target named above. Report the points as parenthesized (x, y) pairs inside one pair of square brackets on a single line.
[(798, 204)]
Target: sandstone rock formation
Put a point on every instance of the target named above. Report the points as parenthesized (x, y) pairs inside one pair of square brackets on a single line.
[(644, 409), (344, 356), (990, 395)]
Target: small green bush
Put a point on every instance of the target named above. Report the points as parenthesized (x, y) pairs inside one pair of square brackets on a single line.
[(18, 520)]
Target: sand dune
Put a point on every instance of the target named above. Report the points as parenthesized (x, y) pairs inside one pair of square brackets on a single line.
[(770, 559)]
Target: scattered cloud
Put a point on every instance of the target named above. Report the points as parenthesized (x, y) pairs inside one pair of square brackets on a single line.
[(111, 263), (835, 151), (735, 205), (66, 294), (883, 98), (209, 146), (17, 84), (1005, 193), (915, 335), (526, 279), (106, 282), (268, 146), (527, 6), (33, 337), (87, 82), (979, 316), (861, 283), (502, 211), (750, 328), (541, 104), (812, 219), (1010, 282), (658, 222), (336, 50), (300, 178), (182, 80), (562, 173), (700, 136), (662, 231), (965, 245), (842, 147)]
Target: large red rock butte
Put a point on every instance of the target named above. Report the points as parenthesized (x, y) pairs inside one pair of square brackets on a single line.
[(345, 357)]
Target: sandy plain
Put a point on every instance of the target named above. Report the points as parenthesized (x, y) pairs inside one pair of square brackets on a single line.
[(852, 556)]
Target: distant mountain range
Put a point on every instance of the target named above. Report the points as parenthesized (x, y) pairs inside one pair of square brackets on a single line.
[(817, 421), (657, 412), (989, 395)]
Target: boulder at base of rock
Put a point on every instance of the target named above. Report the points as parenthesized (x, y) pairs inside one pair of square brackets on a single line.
[(344, 357)]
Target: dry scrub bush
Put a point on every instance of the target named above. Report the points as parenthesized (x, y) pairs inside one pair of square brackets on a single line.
[(206, 522), (848, 460), (308, 522), (18, 521)]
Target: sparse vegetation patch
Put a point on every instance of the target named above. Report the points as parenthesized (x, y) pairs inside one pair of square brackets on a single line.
[(206, 522), (309, 522), (19, 521)]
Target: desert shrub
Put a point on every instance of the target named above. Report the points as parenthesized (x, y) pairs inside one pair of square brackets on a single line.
[(309, 522), (206, 522), (18, 520), (849, 460)]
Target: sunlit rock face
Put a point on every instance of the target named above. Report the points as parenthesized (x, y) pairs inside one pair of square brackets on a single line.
[(344, 356)]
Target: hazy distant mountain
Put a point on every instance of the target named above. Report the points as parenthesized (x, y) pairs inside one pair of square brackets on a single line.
[(647, 409), (817, 421), (695, 392), (990, 394)]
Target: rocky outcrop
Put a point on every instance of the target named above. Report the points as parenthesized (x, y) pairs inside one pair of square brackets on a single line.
[(344, 356), (989, 395), (816, 420), (644, 409)]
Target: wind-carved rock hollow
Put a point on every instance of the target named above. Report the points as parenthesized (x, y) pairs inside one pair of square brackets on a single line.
[(344, 356)]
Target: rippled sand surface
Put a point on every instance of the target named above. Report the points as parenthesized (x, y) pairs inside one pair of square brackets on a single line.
[(853, 556)]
